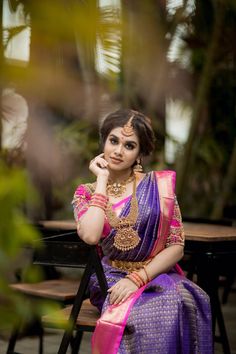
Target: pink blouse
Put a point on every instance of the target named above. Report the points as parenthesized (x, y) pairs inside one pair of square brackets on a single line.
[(82, 199)]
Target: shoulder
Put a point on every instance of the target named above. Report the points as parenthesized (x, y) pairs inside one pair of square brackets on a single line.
[(86, 189), (166, 180), (165, 174)]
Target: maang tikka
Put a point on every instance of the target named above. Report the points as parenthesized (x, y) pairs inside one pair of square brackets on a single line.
[(128, 129)]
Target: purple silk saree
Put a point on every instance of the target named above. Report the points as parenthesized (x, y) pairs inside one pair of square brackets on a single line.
[(170, 315)]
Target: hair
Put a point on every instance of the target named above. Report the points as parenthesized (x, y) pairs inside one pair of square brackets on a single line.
[(140, 123)]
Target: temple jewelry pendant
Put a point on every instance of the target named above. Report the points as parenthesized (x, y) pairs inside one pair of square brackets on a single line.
[(126, 239)]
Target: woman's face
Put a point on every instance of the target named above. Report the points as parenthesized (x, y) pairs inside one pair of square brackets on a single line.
[(121, 151)]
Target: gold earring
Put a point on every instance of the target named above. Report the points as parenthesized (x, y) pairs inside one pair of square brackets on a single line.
[(138, 167)]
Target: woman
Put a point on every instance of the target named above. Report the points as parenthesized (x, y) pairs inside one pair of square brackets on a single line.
[(134, 216)]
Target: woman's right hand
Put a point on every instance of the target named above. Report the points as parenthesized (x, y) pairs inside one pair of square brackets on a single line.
[(98, 166)]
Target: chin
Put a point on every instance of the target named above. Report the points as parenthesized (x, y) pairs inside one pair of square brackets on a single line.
[(119, 168), (116, 168)]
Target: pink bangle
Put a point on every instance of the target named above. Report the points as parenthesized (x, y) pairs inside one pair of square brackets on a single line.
[(130, 277), (97, 204), (100, 196), (99, 200), (138, 278)]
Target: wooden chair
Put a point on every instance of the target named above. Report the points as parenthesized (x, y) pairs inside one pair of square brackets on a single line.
[(70, 251), (63, 291)]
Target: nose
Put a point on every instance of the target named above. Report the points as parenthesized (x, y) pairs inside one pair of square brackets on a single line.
[(118, 150)]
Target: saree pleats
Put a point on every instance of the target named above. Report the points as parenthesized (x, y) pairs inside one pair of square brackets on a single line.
[(171, 316)]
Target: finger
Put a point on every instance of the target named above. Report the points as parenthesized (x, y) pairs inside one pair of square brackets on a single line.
[(103, 164), (113, 296), (113, 287), (100, 162), (126, 297), (120, 297)]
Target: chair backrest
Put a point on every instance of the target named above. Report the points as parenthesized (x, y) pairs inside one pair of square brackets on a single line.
[(66, 249)]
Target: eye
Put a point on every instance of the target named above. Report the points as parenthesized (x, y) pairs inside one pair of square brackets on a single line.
[(129, 146), (113, 141)]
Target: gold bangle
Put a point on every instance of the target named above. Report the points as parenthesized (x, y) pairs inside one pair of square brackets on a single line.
[(145, 271)]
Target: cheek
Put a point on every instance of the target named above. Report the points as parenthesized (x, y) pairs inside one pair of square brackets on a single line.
[(133, 156), (107, 148)]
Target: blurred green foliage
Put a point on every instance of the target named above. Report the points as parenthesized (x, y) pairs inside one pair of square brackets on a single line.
[(69, 89), (17, 236), (87, 59)]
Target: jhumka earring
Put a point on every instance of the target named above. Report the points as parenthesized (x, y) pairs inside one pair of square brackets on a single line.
[(138, 167)]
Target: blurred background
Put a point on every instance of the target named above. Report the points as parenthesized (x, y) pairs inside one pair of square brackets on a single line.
[(65, 64)]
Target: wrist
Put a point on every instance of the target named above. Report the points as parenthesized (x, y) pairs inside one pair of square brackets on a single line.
[(101, 185), (102, 179)]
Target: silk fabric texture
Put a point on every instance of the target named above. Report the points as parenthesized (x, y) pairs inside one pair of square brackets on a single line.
[(168, 315)]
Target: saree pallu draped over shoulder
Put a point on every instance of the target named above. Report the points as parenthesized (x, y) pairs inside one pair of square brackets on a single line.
[(170, 314)]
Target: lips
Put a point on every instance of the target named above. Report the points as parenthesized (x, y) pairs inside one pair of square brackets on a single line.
[(115, 160)]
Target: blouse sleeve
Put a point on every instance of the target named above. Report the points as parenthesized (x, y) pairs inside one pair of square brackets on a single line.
[(176, 234), (80, 203)]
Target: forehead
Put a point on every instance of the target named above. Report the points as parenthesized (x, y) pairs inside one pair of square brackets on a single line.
[(118, 132)]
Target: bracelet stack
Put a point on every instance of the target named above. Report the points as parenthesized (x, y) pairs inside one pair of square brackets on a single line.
[(99, 200), (137, 279)]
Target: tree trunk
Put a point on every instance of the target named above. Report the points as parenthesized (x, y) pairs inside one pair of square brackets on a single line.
[(202, 91), (228, 183), (1, 69)]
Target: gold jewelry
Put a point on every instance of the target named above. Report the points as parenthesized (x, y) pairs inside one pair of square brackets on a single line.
[(138, 167), (127, 129), (129, 266), (116, 189), (126, 237), (146, 273)]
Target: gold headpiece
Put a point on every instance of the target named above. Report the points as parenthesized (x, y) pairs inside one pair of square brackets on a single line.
[(128, 129)]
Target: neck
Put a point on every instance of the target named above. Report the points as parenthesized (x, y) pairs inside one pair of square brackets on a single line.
[(119, 176)]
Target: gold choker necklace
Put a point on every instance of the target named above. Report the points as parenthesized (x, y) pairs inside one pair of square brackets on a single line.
[(126, 237), (117, 189)]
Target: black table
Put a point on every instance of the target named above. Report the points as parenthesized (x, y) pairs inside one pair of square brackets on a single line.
[(212, 249)]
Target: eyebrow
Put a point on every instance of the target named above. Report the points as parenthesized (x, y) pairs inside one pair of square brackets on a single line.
[(127, 141)]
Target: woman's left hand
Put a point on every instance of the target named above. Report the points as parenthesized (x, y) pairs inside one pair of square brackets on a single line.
[(121, 291)]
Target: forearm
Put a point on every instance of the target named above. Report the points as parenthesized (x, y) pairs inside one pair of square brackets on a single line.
[(92, 222), (163, 261)]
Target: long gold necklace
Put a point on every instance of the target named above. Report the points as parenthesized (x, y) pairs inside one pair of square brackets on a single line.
[(126, 237), (116, 189)]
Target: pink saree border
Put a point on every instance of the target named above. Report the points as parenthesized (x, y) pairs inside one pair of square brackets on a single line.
[(166, 189), (110, 327)]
